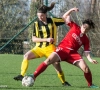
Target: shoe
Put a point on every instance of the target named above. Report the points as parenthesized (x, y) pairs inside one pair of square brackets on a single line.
[(31, 75), (93, 86), (66, 84), (18, 78)]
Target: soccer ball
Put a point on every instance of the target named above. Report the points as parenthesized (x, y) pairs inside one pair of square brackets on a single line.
[(27, 81)]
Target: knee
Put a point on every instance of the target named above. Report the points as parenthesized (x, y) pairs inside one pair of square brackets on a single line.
[(26, 56), (86, 70), (48, 61)]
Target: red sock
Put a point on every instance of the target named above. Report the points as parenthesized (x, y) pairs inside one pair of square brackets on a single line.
[(40, 69), (88, 77)]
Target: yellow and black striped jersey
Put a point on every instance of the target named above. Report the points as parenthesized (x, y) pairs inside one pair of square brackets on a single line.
[(46, 31)]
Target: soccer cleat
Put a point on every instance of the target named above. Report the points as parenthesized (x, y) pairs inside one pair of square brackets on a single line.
[(18, 78), (93, 86), (66, 84), (31, 75)]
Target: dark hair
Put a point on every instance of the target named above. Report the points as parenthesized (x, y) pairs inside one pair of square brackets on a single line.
[(89, 22), (44, 9)]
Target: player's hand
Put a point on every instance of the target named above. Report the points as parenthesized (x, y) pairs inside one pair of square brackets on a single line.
[(51, 40), (75, 9), (94, 62)]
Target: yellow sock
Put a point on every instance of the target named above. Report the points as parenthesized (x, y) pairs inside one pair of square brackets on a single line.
[(61, 77), (24, 66)]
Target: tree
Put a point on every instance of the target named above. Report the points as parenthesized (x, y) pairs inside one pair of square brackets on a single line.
[(13, 17)]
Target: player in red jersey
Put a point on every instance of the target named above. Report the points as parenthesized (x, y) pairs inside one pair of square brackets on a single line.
[(68, 47)]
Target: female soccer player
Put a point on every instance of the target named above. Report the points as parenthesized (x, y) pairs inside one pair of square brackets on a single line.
[(44, 35), (68, 47)]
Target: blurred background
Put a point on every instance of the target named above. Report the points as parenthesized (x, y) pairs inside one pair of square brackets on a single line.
[(17, 16)]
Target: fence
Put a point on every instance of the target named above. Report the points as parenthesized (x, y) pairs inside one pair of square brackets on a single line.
[(14, 22)]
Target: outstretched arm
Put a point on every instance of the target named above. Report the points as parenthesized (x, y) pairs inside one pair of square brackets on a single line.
[(87, 54), (66, 16)]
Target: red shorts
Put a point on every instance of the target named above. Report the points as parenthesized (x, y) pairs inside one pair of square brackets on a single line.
[(68, 55)]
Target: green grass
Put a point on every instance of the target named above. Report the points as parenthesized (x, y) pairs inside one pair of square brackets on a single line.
[(48, 80)]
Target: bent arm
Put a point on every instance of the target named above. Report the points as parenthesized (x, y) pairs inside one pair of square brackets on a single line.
[(87, 54), (66, 16), (35, 39)]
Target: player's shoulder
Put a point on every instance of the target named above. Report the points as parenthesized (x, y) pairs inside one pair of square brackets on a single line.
[(56, 18), (73, 24)]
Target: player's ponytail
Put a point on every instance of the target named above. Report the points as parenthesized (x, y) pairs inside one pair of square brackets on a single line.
[(51, 6), (44, 9)]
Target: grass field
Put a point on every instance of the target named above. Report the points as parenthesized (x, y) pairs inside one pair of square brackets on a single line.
[(10, 67)]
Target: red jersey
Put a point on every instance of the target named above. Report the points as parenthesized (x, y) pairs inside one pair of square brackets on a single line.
[(74, 39)]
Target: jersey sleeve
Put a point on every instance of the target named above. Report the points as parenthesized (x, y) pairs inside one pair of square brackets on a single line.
[(58, 21), (86, 44), (32, 29), (35, 29), (71, 24)]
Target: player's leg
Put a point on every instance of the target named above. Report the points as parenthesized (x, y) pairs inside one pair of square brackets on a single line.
[(25, 63), (60, 74), (76, 59), (87, 73), (42, 67), (48, 50)]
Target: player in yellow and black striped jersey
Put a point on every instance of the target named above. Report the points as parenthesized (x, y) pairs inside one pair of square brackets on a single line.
[(44, 35), (46, 31)]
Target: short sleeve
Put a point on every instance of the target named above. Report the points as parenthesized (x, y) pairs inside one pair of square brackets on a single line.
[(86, 44), (71, 24), (58, 21)]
